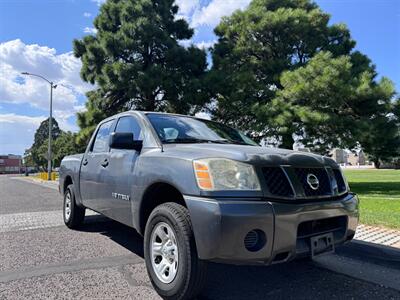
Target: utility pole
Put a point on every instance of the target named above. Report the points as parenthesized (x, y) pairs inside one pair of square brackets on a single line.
[(52, 86)]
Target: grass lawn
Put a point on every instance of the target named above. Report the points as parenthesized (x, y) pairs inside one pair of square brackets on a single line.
[(379, 192)]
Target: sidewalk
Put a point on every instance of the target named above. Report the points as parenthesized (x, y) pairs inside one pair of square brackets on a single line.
[(378, 235)]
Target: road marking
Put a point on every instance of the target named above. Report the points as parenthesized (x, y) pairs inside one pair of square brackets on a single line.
[(33, 220), (74, 266)]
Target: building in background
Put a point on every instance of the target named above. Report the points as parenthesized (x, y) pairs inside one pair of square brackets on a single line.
[(339, 155), (10, 164), (357, 158)]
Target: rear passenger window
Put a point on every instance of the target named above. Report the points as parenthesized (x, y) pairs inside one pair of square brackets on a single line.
[(129, 124), (101, 141)]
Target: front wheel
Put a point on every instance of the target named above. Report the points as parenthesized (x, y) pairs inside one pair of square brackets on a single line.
[(73, 214), (172, 263)]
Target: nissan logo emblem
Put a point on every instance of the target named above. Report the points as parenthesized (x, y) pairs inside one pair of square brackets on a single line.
[(313, 181)]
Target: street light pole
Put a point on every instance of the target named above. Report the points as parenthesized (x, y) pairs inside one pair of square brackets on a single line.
[(52, 86), (49, 156)]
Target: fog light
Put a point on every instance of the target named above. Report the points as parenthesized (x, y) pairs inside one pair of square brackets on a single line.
[(255, 240)]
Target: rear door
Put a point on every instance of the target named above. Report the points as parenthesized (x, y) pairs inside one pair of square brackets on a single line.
[(120, 178), (93, 175)]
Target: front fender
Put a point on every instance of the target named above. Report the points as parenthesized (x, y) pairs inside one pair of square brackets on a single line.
[(175, 172)]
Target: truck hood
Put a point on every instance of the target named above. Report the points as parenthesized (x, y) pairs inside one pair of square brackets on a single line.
[(249, 154)]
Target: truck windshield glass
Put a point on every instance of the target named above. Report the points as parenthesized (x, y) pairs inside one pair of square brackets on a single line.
[(182, 129)]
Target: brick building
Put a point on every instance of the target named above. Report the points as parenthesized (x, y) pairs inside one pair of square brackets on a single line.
[(10, 164)]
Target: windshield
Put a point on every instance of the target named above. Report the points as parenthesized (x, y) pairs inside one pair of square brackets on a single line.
[(182, 129)]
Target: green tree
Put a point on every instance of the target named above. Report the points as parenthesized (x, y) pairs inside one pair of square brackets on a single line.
[(64, 145), (325, 106), (382, 142), (40, 138), (137, 63), (28, 161), (256, 45), (281, 70)]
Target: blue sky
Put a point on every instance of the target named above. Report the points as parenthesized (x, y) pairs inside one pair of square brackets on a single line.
[(36, 36)]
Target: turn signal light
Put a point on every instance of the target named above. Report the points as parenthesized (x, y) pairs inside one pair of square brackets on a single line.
[(203, 176)]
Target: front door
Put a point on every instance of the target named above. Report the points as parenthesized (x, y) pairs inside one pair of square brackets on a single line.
[(121, 176), (93, 175)]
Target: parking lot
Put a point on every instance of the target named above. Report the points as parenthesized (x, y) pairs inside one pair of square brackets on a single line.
[(40, 258)]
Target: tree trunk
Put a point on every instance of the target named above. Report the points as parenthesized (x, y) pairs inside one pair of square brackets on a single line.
[(377, 163), (150, 104), (287, 141)]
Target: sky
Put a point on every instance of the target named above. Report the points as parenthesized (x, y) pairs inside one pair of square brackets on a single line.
[(36, 36)]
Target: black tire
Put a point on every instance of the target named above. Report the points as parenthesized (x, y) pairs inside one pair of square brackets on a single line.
[(77, 213), (191, 271)]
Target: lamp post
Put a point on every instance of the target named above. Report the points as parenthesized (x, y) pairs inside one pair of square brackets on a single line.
[(52, 86)]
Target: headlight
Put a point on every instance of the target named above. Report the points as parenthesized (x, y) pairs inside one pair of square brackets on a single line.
[(216, 174)]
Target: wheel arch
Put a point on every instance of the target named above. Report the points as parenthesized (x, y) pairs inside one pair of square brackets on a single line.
[(67, 181), (157, 193)]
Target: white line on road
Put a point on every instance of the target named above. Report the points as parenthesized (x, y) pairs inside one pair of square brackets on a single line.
[(33, 220), (74, 266)]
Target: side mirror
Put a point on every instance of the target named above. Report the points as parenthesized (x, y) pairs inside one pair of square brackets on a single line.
[(124, 140)]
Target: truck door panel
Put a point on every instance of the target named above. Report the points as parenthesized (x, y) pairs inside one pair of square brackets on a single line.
[(93, 175), (120, 179)]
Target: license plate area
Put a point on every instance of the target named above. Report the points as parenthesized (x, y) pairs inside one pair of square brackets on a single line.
[(323, 243)]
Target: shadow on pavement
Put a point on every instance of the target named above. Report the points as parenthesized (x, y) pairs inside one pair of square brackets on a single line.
[(293, 280), (373, 253), (123, 235)]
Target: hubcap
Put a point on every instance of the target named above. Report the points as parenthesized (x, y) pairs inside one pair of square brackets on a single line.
[(164, 252), (67, 210)]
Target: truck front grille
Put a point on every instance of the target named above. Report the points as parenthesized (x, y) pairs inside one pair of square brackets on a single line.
[(293, 182), (339, 180), (277, 182), (324, 183)]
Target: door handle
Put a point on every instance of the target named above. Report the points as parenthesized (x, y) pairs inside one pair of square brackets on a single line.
[(104, 163), (85, 162)]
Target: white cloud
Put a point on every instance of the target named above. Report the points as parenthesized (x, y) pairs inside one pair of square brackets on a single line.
[(62, 69), (185, 43), (87, 14), (99, 2), (17, 132), (187, 8), (90, 30), (205, 44), (15, 119), (211, 14)]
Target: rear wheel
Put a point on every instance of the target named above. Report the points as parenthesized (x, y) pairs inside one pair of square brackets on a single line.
[(73, 214), (172, 263)]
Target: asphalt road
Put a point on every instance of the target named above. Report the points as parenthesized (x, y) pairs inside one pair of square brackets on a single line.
[(41, 259)]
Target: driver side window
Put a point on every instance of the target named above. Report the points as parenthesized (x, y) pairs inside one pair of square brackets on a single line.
[(101, 141), (129, 124)]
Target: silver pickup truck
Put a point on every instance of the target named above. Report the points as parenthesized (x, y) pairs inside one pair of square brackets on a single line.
[(201, 191)]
